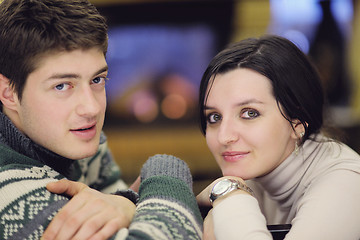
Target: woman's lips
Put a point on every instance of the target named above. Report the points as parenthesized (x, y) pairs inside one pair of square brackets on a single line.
[(234, 156)]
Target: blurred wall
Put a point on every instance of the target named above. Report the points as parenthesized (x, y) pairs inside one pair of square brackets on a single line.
[(354, 60), (133, 144)]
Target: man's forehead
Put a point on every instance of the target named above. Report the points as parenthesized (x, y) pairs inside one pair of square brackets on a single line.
[(64, 64)]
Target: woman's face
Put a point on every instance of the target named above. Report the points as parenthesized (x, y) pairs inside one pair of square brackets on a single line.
[(246, 131)]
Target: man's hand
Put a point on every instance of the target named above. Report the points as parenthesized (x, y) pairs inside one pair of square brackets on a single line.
[(136, 184), (90, 214)]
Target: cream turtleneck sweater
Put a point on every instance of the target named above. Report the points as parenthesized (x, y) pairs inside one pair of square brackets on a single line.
[(317, 191)]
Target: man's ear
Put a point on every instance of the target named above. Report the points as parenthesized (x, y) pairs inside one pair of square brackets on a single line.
[(7, 95), (299, 129)]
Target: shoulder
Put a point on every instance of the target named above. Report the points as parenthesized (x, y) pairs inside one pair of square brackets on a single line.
[(20, 182), (327, 155), (15, 167), (328, 193), (26, 207), (330, 201), (332, 168)]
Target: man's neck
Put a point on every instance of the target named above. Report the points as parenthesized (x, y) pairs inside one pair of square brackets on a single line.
[(15, 139), (14, 117)]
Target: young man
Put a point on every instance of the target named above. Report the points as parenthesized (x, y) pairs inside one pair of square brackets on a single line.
[(52, 90)]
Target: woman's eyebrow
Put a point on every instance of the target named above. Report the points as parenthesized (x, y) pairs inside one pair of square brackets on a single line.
[(242, 103)]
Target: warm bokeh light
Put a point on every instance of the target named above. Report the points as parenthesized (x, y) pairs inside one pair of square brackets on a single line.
[(145, 107), (174, 106)]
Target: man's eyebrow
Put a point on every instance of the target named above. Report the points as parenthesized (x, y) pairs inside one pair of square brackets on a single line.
[(104, 69), (73, 75), (243, 103)]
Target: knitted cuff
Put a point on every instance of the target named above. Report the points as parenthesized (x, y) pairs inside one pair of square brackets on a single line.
[(129, 194), (166, 165)]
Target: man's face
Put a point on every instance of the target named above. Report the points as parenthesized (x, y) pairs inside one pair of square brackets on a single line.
[(63, 103)]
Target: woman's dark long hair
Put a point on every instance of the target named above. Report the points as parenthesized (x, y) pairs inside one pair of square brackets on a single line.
[(296, 83)]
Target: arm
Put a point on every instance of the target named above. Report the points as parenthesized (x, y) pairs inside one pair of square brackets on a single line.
[(239, 217), (167, 206), (166, 193), (235, 215), (328, 210), (88, 214)]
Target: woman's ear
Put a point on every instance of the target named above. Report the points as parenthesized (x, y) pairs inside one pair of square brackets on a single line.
[(299, 129), (7, 95)]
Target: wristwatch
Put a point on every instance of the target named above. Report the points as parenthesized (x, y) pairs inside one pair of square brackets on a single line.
[(226, 186)]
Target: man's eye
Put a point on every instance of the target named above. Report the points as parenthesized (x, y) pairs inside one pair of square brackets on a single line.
[(99, 80), (213, 117), (250, 114), (62, 86)]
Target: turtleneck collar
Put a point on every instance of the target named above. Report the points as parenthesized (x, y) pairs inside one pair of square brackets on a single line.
[(283, 181), (13, 138)]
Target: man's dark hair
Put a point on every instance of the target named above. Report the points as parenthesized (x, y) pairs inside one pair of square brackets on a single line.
[(30, 29)]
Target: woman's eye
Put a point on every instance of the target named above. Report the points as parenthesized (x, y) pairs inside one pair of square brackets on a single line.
[(250, 114), (213, 118), (62, 86)]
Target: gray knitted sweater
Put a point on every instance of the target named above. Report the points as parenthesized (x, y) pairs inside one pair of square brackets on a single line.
[(167, 208)]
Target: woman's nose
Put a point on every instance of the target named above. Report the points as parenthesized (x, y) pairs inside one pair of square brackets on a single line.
[(227, 133)]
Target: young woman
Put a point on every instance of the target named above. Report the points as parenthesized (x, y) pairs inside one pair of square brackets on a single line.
[(261, 110)]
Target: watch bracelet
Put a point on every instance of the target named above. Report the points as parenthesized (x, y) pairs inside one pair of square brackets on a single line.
[(245, 188), (238, 185)]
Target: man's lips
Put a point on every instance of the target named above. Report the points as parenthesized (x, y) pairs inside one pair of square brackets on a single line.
[(88, 127), (86, 133), (234, 156)]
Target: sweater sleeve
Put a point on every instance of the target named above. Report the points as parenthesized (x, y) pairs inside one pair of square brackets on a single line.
[(167, 208), (239, 217), (329, 210)]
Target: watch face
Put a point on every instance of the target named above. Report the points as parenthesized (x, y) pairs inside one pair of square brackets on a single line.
[(221, 186), (226, 186)]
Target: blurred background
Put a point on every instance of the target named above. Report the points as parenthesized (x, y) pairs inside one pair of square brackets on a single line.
[(158, 50)]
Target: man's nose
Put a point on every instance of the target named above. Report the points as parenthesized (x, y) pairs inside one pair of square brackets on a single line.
[(88, 105)]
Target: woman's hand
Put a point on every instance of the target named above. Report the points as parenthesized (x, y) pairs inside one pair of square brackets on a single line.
[(203, 197), (209, 227), (204, 200), (90, 214)]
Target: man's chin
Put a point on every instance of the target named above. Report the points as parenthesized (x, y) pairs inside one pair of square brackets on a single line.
[(81, 154), (76, 150), (79, 157), (86, 154)]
